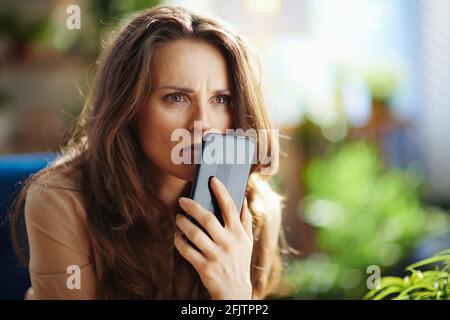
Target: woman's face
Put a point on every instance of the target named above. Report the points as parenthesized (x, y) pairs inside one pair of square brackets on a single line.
[(190, 82)]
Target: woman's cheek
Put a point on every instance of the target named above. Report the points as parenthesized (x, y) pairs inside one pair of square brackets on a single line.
[(225, 121)]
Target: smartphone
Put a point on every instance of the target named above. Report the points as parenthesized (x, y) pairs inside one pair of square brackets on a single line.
[(229, 158)]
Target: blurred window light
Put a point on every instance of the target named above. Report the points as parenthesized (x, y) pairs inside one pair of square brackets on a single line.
[(435, 94), (207, 6), (336, 131), (300, 74), (356, 100), (263, 7)]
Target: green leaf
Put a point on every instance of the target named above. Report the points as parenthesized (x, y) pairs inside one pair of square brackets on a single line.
[(388, 291), (428, 261)]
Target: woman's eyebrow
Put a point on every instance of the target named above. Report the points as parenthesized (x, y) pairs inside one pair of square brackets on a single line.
[(189, 90)]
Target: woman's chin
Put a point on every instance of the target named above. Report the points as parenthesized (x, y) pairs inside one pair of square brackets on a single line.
[(186, 172)]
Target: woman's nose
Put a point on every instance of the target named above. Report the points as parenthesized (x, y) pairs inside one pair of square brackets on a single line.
[(200, 120)]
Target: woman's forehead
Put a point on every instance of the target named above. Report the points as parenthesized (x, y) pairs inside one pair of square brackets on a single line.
[(189, 63)]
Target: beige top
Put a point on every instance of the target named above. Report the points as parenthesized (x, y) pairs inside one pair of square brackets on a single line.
[(58, 239), (57, 236)]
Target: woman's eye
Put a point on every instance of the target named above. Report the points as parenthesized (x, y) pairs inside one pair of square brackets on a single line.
[(223, 99), (175, 97)]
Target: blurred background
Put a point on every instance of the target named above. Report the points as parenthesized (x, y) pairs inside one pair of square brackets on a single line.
[(360, 91)]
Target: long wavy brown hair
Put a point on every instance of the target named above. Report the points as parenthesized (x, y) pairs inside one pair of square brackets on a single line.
[(122, 209)]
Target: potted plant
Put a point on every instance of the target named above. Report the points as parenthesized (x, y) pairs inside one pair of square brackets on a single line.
[(419, 285)]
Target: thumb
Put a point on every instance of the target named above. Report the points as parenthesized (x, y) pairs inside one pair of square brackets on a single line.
[(247, 219)]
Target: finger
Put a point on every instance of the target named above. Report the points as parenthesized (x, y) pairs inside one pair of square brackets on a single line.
[(187, 251), (226, 203), (196, 235), (206, 219), (246, 218)]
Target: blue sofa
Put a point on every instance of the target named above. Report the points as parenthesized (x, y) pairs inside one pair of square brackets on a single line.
[(14, 279)]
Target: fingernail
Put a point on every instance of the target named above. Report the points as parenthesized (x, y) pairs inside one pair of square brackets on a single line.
[(215, 180), (182, 200)]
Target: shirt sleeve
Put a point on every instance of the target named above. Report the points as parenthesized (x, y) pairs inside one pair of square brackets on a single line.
[(60, 264)]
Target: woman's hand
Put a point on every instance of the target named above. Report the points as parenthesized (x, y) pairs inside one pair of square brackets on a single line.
[(223, 261)]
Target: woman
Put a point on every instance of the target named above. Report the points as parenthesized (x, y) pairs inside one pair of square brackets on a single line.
[(102, 220)]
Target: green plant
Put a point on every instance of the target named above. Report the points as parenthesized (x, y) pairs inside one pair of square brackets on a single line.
[(15, 27), (18, 30), (364, 214), (419, 285), (47, 26), (383, 80), (3, 98)]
